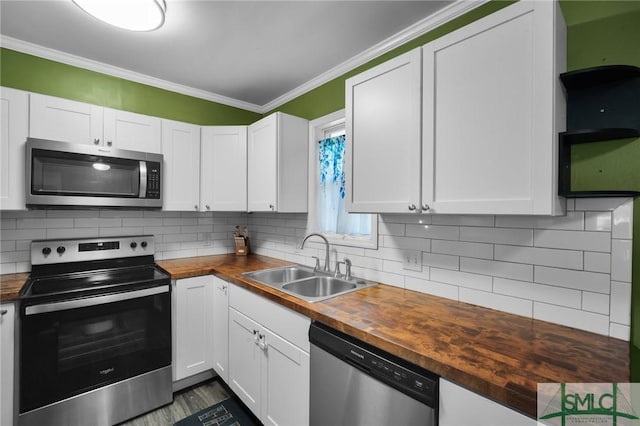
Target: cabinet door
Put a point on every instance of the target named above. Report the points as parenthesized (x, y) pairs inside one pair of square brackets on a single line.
[(285, 382), (7, 368), (491, 90), (221, 328), (194, 326), (181, 180), (64, 120), (136, 132), (245, 358), (461, 407), (262, 165), (223, 168), (382, 158), (13, 134)]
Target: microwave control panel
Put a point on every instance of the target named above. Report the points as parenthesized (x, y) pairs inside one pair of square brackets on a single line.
[(153, 180)]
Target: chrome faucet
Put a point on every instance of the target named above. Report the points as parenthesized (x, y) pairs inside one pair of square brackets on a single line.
[(326, 244)]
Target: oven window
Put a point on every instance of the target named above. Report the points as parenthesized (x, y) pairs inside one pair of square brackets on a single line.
[(65, 173), (70, 352)]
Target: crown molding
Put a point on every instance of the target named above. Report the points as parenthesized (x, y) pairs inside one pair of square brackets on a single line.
[(89, 64), (449, 13), (454, 10)]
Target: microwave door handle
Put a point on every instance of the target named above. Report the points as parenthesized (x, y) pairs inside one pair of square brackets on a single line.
[(143, 179), (93, 301)]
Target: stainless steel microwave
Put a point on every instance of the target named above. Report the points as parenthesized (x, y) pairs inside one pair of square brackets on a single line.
[(64, 175)]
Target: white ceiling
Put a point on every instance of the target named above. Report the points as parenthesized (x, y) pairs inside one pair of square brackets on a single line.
[(253, 52)]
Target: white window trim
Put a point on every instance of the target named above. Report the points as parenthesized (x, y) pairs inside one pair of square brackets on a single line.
[(316, 133)]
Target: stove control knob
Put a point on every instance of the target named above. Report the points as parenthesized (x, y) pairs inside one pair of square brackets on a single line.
[(133, 244), (143, 244), (60, 250), (46, 251)]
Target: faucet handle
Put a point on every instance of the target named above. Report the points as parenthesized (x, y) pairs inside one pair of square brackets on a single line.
[(317, 265), (347, 265), (337, 274)]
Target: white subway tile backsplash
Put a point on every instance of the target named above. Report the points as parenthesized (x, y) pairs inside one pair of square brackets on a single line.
[(573, 221), (516, 271), (439, 232), (441, 261), (513, 236), (599, 204), (431, 287), (571, 259), (500, 302), (620, 310), (573, 240), (595, 302), (538, 292), (618, 331), (462, 279), (579, 280), (580, 262), (621, 260), (590, 321), (597, 262), (623, 221), (462, 220), (597, 221), (459, 248)]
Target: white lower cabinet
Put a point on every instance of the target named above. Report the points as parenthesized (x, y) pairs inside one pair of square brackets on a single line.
[(7, 321), (269, 358), (462, 407), (221, 328), (193, 326)]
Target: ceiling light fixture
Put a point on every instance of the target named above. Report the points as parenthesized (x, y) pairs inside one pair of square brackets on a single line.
[(134, 15)]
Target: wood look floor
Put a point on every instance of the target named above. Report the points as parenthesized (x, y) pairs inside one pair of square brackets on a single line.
[(185, 403)]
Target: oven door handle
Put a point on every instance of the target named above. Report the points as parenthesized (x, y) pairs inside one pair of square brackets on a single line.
[(93, 301)]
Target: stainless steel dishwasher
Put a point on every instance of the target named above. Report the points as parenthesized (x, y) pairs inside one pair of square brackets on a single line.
[(353, 383)]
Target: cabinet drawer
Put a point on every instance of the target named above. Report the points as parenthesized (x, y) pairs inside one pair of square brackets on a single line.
[(290, 325)]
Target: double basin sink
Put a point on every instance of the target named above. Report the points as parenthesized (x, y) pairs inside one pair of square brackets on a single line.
[(305, 283)]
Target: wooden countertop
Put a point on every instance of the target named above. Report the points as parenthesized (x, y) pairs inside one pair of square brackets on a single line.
[(495, 354), (10, 285)]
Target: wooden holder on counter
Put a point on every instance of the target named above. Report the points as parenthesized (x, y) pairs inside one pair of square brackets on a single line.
[(242, 245)]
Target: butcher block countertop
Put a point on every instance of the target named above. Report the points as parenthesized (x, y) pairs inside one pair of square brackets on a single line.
[(495, 354)]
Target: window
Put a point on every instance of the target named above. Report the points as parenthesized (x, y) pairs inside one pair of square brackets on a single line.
[(327, 213)]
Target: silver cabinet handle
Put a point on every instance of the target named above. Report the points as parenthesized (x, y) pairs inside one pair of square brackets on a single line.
[(425, 207), (109, 143), (208, 207), (3, 312), (412, 207), (271, 206), (262, 342), (96, 141), (195, 206)]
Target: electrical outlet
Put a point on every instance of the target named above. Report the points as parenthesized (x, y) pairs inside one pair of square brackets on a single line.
[(412, 260)]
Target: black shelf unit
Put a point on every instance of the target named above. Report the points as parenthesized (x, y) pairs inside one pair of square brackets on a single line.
[(603, 103)]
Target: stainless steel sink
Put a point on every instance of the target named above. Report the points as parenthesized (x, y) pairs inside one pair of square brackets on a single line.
[(302, 282), (280, 275)]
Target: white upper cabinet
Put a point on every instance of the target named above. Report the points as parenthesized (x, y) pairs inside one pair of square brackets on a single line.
[(278, 164), (136, 132), (382, 159), (492, 110), (181, 172), (13, 135), (223, 168), (64, 120), (471, 128), (77, 122)]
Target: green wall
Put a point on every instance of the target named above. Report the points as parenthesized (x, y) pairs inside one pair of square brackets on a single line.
[(34, 74), (598, 32)]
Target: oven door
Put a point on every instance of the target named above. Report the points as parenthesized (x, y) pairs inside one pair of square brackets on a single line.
[(73, 346)]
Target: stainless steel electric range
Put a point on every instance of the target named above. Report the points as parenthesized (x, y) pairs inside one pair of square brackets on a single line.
[(94, 332)]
